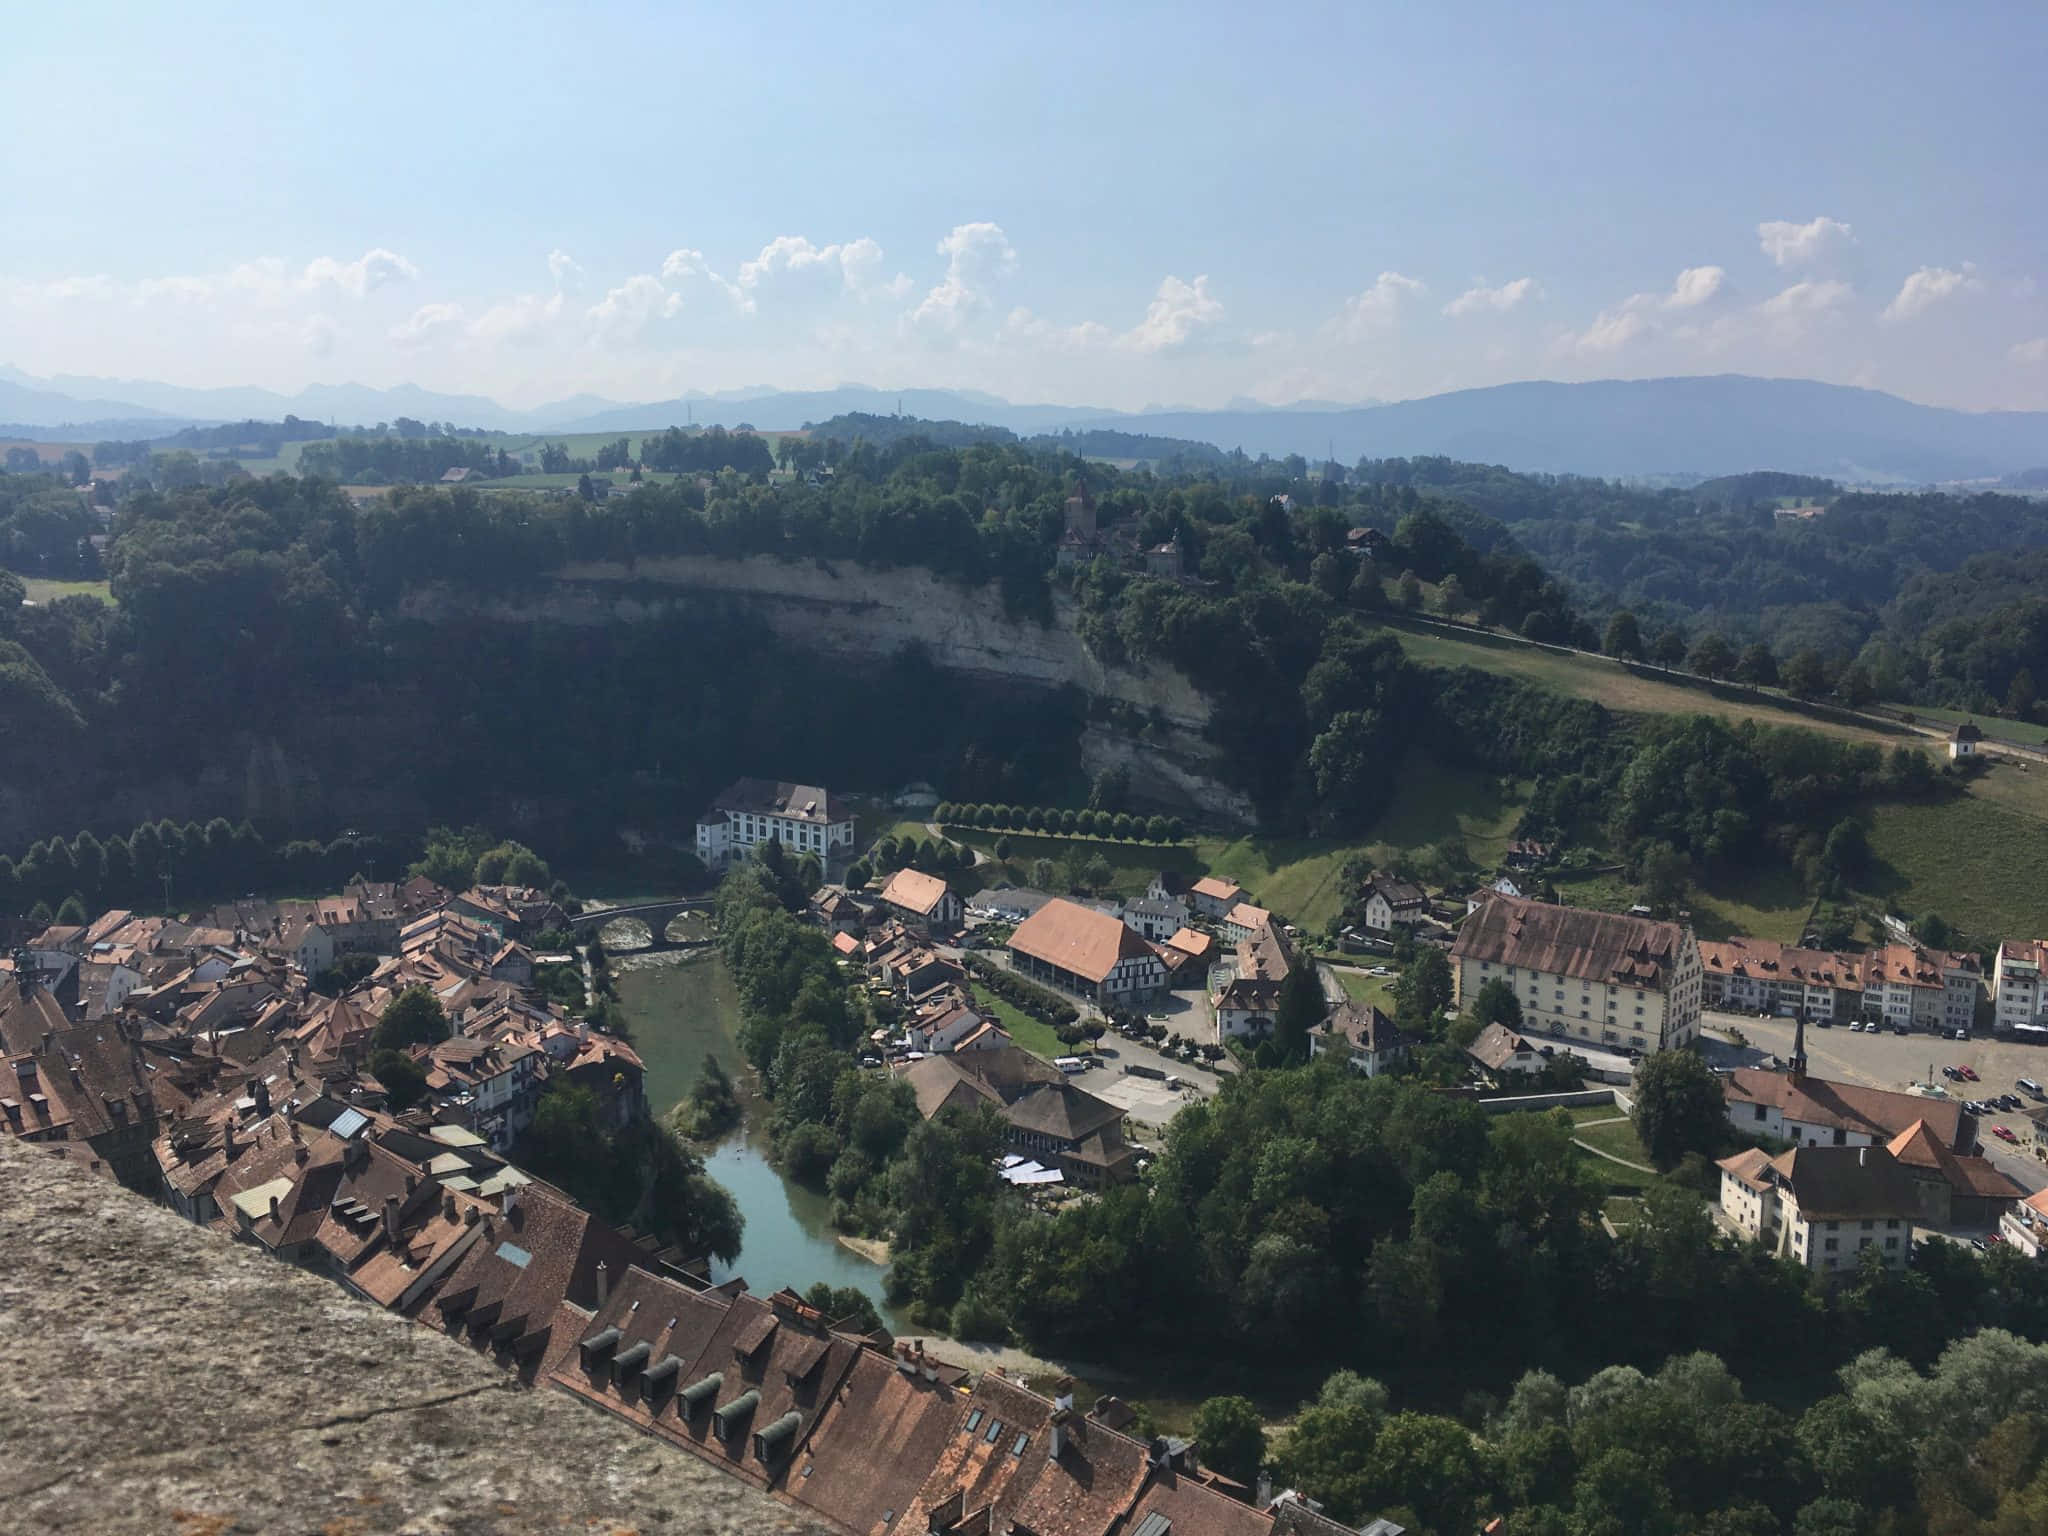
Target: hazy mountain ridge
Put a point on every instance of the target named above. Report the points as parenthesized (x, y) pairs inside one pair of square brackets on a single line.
[(1705, 425)]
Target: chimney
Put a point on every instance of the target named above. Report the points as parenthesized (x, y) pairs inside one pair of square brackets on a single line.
[(1058, 1444), (508, 1199), (1862, 1157), (1262, 1491), (604, 1282), (391, 1219), (1063, 1393), (273, 1211), (227, 1135), (448, 1205), (469, 1215)]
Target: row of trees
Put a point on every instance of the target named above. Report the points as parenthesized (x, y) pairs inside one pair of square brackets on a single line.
[(1054, 821)]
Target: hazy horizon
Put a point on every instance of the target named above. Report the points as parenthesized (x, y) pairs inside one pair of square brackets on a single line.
[(1161, 207)]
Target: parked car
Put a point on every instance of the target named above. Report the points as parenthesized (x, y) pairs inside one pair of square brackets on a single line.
[(1959, 1034), (1969, 1073), (1900, 1029), (1952, 1074), (2004, 1133), (2009, 1101)]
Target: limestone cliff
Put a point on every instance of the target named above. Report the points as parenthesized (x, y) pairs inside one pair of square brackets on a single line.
[(1155, 726)]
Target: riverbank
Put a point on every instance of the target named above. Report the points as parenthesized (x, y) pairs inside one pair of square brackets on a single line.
[(873, 1249)]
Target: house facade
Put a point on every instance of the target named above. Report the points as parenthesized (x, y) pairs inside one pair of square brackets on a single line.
[(923, 900), (1814, 1112), (1628, 983), (2016, 989), (1823, 1208), (1391, 904), (1362, 1037), (750, 812)]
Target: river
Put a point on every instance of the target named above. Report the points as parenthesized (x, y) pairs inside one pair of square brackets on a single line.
[(680, 1009)]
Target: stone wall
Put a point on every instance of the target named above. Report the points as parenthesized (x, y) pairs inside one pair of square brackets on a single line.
[(167, 1380)]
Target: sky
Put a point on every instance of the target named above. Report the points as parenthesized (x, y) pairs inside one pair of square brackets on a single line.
[(1119, 206)]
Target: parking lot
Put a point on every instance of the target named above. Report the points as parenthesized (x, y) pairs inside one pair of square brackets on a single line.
[(1894, 1061)]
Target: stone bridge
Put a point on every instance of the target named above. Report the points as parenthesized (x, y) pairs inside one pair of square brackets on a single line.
[(657, 915)]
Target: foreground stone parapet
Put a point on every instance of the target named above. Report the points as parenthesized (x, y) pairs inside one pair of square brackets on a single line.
[(165, 1380)]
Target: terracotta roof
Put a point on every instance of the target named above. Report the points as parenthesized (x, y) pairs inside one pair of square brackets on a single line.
[(1077, 939), (1769, 961), (1245, 915), (1900, 964), (1571, 941), (1192, 942), (1919, 1147), (846, 944), (1497, 1045), (1874, 1112), (1216, 889), (915, 891), (1748, 1166)]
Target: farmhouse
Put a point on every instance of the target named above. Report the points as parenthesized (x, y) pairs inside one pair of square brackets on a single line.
[(1212, 897), (1081, 950), (1626, 982)]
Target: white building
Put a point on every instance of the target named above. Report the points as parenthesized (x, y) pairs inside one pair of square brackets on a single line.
[(2025, 1226), (1822, 1207), (2016, 994), (802, 817), (1813, 1112), (1627, 983), (1358, 1034)]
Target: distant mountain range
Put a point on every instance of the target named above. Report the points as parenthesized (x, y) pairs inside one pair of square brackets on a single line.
[(1701, 426)]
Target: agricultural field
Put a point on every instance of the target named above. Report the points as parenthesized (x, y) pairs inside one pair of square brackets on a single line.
[(1766, 903), (1629, 691), (1975, 859)]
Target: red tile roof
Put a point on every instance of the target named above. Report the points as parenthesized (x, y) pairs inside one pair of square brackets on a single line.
[(1077, 939)]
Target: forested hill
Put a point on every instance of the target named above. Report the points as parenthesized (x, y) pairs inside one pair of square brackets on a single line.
[(261, 660), (1166, 454)]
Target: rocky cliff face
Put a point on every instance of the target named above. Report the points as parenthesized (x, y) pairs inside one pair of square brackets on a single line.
[(1150, 721)]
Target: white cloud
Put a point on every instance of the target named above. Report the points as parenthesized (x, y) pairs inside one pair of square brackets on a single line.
[(1928, 287), (1611, 330), (425, 322), (563, 268), (1022, 325), (518, 320), (1507, 296), (632, 309), (1378, 306), (685, 264), (2035, 351), (857, 263), (1695, 286), (1807, 298), (976, 256), (318, 335), (1818, 240), (1177, 311), (1638, 314), (370, 271)]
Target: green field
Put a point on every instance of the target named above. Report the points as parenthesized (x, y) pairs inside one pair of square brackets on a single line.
[(1975, 861), (42, 590), (1766, 903), (1618, 1139), (1028, 1032), (1434, 804), (1622, 689)]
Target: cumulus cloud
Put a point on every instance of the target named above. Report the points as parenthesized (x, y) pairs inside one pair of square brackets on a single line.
[(563, 268), (1816, 242), (685, 265), (1021, 325), (856, 263), (370, 271), (1695, 286), (318, 335), (1927, 288), (1808, 298), (425, 323), (629, 311), (1177, 311), (1483, 300), (976, 256), (1378, 306), (1641, 313), (2035, 351)]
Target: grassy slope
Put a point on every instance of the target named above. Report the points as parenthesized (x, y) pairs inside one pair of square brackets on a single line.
[(1620, 688), (1377, 991), (1033, 1036), (1976, 860)]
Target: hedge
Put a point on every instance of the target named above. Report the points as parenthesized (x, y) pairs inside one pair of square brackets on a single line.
[(1050, 821)]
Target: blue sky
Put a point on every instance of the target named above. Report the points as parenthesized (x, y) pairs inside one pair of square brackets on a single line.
[(1181, 204)]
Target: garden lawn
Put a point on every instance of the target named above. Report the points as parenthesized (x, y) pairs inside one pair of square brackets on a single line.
[(1374, 991), (42, 591), (1434, 803), (1028, 1032)]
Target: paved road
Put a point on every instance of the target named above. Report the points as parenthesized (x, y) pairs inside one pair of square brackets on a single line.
[(1899, 1061)]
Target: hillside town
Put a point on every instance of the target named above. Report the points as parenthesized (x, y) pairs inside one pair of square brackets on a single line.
[(240, 1065)]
